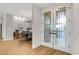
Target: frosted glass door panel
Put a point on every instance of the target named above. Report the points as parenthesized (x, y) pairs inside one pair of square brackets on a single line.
[(47, 27), (61, 27)]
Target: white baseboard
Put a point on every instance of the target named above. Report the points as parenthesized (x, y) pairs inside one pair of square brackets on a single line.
[(8, 39), (47, 45), (35, 45)]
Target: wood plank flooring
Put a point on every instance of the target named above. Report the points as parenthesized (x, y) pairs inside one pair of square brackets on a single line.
[(15, 47)]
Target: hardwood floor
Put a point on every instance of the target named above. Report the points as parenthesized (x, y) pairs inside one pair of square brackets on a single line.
[(15, 47)]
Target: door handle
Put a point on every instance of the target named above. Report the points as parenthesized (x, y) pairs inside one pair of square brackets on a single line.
[(53, 32)]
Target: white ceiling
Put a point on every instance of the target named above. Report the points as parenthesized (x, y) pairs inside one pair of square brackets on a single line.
[(17, 8), (20, 8)]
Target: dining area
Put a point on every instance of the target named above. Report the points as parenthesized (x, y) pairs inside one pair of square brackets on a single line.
[(24, 35), (22, 28)]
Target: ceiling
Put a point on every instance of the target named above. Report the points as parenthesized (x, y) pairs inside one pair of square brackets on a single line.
[(20, 8), (16, 8)]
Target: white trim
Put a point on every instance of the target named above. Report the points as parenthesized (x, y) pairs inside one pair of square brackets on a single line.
[(8, 39)]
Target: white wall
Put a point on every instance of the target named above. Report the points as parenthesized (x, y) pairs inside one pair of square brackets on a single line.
[(1, 17), (75, 29), (0, 20), (36, 26), (7, 27)]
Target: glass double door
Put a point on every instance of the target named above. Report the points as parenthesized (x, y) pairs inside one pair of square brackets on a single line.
[(56, 29)]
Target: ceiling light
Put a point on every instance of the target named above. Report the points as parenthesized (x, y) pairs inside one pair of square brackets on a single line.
[(23, 18), (19, 18), (15, 17)]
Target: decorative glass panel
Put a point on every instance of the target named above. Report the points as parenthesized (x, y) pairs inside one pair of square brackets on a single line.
[(47, 27), (61, 27)]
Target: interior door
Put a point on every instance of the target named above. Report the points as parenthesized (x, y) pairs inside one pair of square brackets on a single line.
[(61, 28)]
